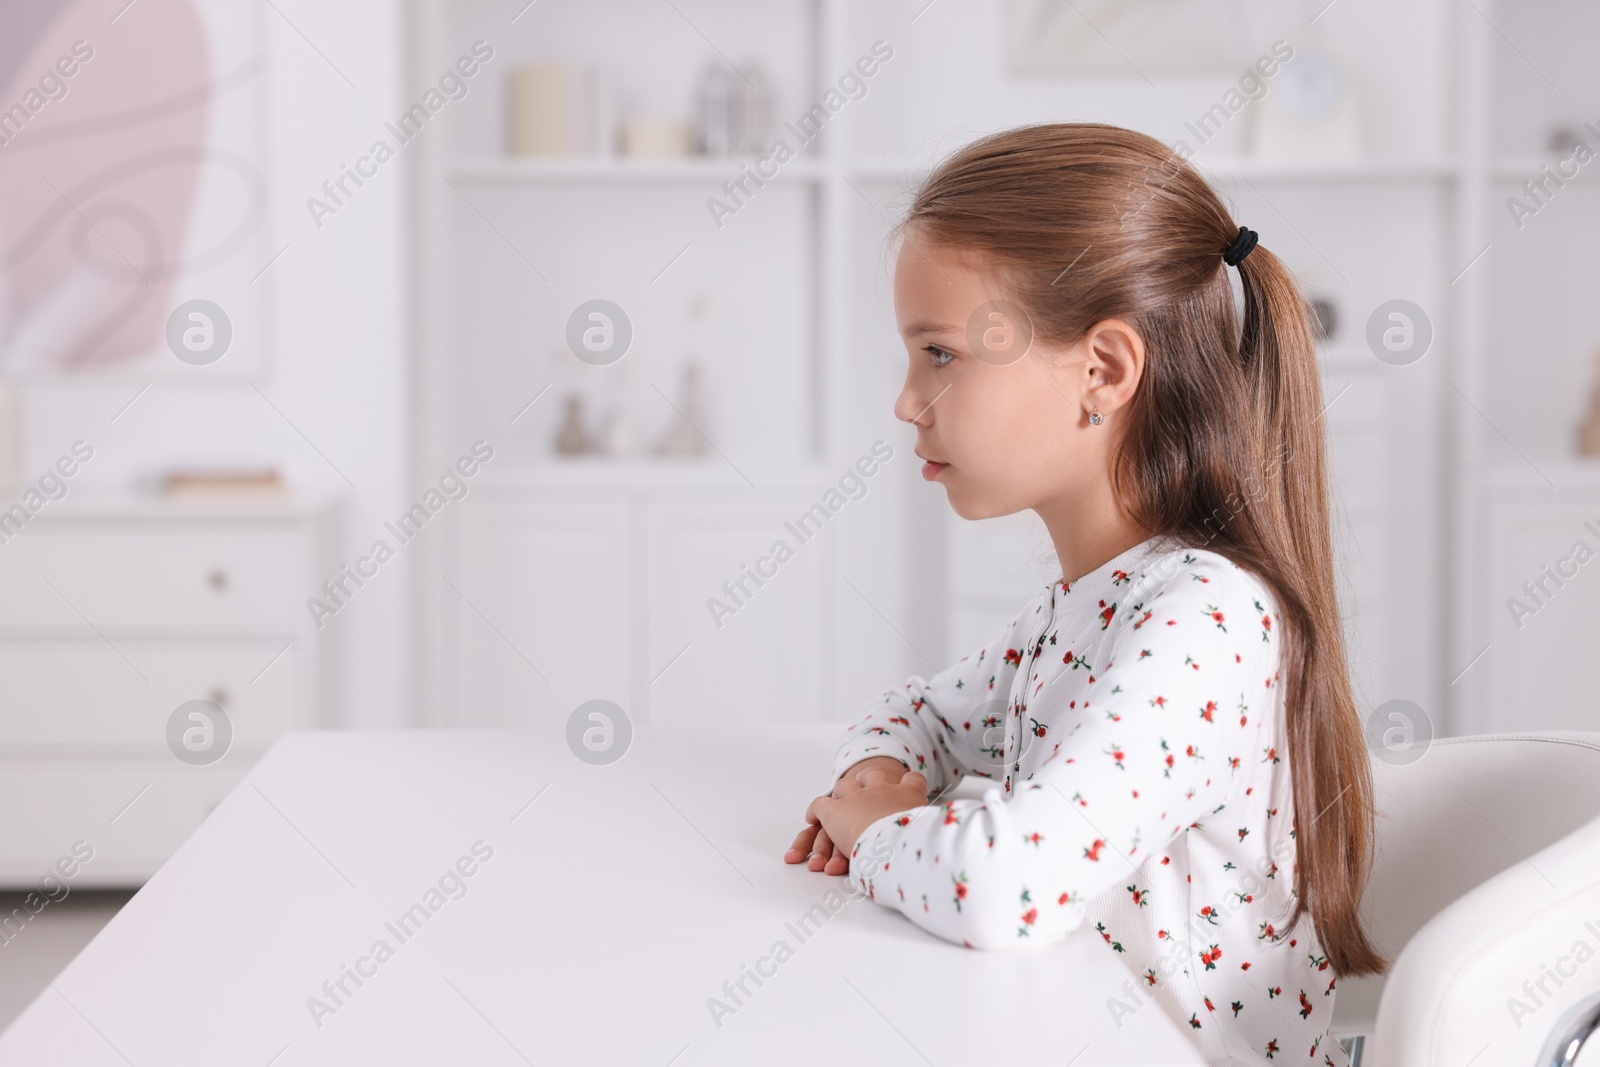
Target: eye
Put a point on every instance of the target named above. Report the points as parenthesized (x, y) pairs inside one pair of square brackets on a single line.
[(941, 356)]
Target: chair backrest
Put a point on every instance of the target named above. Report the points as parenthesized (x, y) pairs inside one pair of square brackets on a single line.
[(1467, 810), (1490, 978)]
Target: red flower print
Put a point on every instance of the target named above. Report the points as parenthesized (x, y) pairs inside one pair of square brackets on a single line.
[(1140, 896), (1207, 711), (1116, 946), (1115, 753), (904, 820), (1194, 1021), (1030, 915), (1305, 1005), (1093, 851), (1216, 617), (1209, 914), (960, 881), (1106, 613)]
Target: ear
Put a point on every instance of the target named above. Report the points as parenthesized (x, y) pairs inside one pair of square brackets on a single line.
[(1113, 363)]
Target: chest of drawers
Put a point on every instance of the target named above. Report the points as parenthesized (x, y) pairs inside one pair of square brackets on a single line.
[(113, 613)]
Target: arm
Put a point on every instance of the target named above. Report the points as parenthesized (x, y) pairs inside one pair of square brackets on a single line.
[(914, 729), (950, 726), (1154, 750)]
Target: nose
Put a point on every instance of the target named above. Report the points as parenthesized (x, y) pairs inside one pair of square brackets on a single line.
[(911, 406)]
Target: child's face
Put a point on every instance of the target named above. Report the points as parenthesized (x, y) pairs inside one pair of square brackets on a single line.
[(1004, 415)]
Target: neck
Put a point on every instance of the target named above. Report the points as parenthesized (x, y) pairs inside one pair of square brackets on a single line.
[(1088, 530)]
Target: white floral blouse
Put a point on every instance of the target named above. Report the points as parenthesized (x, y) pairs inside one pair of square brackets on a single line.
[(1131, 724)]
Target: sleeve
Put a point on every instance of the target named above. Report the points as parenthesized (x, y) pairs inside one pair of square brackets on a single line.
[(951, 726), (1178, 701)]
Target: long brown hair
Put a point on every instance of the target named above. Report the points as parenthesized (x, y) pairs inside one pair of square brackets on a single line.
[(1222, 441)]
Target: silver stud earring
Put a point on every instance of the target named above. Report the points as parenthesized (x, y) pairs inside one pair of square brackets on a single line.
[(1095, 418)]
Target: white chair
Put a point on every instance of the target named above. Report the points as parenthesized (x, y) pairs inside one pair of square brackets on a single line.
[(1487, 877)]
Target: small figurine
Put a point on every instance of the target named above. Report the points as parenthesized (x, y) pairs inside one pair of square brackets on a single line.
[(684, 438), (572, 439), (1589, 428)]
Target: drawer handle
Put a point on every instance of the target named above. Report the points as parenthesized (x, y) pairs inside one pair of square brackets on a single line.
[(217, 579)]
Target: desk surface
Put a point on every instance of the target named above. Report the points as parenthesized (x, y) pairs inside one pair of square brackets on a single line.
[(612, 908)]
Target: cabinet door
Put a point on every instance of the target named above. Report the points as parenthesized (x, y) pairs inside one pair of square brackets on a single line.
[(764, 662), (543, 610), (1542, 671)]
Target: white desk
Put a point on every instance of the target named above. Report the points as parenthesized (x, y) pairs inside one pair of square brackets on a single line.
[(612, 908)]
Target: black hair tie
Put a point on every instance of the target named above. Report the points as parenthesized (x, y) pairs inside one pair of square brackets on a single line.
[(1241, 247)]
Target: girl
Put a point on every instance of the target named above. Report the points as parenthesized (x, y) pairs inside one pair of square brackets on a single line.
[(1175, 752)]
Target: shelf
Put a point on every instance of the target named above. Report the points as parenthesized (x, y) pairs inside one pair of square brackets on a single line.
[(643, 472), (1308, 171), (566, 171), (1567, 472), (1520, 168)]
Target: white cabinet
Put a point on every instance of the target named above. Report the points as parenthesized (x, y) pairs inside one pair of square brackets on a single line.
[(570, 591), (1540, 612), (114, 613)]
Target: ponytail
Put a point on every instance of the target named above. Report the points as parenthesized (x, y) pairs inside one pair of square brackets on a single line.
[(1333, 804)]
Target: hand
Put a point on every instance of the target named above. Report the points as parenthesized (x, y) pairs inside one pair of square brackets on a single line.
[(844, 818), (813, 842)]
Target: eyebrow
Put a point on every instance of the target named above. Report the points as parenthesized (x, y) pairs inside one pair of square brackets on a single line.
[(928, 327)]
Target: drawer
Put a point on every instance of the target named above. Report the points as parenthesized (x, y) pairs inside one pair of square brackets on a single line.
[(131, 573), (89, 801), (82, 697)]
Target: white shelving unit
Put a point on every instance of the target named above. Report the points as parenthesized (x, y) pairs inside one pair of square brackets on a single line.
[(1529, 343), (899, 585)]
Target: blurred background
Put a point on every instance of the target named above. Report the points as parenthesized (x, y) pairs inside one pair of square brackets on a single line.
[(453, 363)]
